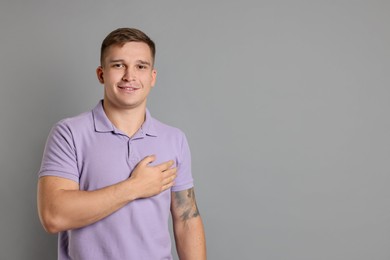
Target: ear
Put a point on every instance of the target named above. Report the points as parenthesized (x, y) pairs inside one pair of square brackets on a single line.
[(99, 74), (154, 75)]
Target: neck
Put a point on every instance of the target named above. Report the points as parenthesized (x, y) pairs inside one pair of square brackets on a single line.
[(126, 120)]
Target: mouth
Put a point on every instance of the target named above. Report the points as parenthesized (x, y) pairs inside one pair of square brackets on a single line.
[(128, 88)]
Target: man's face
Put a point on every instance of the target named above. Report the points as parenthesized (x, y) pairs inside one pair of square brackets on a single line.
[(127, 74)]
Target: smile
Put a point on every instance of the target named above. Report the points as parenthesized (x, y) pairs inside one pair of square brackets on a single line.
[(128, 88)]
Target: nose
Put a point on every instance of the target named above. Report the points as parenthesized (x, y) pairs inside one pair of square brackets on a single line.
[(128, 75)]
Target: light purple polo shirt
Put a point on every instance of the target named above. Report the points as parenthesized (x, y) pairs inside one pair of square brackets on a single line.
[(88, 149)]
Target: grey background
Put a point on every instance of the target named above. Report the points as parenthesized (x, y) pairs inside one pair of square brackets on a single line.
[(285, 105)]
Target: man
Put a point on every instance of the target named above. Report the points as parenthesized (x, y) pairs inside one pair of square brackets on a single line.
[(109, 177)]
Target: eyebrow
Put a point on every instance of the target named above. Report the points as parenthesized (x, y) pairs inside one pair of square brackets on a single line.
[(144, 62), (122, 60), (115, 61)]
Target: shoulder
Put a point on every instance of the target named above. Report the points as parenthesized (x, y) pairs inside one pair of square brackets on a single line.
[(76, 123), (70, 127)]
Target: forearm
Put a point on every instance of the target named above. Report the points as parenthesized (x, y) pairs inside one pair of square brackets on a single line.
[(72, 208), (188, 226), (190, 239)]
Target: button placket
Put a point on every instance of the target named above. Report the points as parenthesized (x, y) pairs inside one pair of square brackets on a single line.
[(133, 156)]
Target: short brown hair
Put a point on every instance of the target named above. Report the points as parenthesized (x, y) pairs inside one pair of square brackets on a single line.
[(121, 36)]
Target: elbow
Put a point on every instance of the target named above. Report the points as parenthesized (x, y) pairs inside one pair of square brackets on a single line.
[(51, 224), (50, 228)]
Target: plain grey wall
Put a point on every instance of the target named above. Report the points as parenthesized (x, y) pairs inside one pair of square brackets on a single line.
[(285, 105)]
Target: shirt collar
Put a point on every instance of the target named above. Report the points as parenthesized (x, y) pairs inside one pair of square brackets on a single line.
[(104, 125), (148, 127)]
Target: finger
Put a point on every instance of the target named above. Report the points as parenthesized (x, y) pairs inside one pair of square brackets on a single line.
[(168, 186), (169, 181), (165, 165), (147, 160), (168, 173)]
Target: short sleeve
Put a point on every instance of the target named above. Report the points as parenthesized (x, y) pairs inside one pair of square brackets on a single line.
[(59, 157), (184, 179)]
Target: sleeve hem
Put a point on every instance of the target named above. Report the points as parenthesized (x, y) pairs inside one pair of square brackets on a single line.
[(182, 187), (65, 175)]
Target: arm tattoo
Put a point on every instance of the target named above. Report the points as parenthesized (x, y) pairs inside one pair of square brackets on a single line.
[(186, 204)]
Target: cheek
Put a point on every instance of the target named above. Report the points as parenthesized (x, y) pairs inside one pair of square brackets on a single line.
[(113, 77)]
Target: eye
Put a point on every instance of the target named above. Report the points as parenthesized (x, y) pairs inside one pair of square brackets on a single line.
[(141, 67), (118, 65)]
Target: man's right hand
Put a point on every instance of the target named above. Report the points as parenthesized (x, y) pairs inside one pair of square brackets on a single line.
[(148, 180)]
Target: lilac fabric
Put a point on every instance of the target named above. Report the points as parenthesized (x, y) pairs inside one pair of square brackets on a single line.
[(89, 150)]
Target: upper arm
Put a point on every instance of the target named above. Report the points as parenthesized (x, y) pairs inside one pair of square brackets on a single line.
[(48, 186), (48, 190), (59, 156), (183, 205), (184, 178)]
